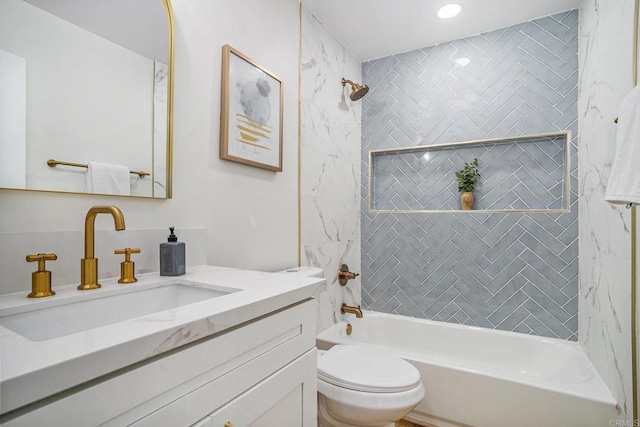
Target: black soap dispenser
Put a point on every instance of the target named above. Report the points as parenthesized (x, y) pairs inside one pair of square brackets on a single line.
[(172, 256)]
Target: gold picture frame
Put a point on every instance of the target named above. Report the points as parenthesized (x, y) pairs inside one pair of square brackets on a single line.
[(250, 132)]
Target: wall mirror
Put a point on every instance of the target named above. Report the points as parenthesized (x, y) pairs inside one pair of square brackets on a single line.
[(86, 82)]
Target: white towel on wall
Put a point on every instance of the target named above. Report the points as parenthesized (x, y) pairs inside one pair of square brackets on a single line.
[(624, 181), (107, 178)]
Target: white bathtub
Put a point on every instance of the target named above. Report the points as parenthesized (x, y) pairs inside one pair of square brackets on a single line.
[(483, 377)]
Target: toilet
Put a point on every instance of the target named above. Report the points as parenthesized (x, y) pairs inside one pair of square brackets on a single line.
[(363, 386)]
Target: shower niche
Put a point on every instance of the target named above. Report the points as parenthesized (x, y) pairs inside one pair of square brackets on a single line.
[(518, 174)]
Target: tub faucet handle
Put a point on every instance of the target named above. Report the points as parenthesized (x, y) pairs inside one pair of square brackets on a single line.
[(345, 275)]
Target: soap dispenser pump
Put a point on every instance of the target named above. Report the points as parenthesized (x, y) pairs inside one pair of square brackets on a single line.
[(172, 256)]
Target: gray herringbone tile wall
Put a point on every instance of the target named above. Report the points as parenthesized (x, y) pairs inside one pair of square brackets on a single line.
[(510, 271), (522, 174)]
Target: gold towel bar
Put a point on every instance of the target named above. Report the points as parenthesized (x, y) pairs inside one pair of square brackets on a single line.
[(53, 163)]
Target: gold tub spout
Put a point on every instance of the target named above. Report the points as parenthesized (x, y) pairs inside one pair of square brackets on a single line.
[(89, 264), (350, 309)]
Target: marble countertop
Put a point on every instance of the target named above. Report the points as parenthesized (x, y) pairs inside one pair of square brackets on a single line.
[(32, 370)]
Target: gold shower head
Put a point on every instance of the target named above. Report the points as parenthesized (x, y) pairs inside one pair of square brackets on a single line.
[(357, 91)]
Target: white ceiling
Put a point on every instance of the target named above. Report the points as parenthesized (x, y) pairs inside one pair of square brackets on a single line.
[(375, 28)]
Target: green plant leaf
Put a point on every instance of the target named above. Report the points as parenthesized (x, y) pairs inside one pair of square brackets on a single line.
[(468, 176)]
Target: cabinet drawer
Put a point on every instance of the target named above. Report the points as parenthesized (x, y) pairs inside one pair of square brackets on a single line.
[(126, 396), (205, 422), (286, 398), (233, 385)]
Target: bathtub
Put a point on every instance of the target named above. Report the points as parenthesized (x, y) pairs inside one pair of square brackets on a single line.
[(483, 377)]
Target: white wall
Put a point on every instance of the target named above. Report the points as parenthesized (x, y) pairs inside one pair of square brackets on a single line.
[(68, 69), (13, 118), (249, 214), (605, 52), (330, 165)]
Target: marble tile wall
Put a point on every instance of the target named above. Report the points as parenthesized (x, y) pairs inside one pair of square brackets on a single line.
[(605, 52), (515, 271), (330, 165)]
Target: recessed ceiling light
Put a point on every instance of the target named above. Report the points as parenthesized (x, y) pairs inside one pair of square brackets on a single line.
[(449, 11)]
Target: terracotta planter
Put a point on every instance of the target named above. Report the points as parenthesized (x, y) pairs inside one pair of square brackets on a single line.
[(466, 199)]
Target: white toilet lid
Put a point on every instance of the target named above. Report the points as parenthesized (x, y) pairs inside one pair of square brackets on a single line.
[(365, 369)]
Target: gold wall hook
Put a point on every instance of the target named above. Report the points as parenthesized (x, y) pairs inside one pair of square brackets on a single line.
[(127, 267), (344, 275), (41, 279)]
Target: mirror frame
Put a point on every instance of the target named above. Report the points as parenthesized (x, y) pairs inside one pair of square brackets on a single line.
[(171, 25), (170, 79)]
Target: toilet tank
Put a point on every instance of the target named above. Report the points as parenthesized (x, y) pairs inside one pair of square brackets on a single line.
[(305, 271)]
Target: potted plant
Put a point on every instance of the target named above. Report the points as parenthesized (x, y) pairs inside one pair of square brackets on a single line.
[(467, 179)]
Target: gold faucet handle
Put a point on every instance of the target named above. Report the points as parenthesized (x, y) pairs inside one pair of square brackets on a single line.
[(127, 267), (344, 275), (41, 279), (41, 258), (127, 253)]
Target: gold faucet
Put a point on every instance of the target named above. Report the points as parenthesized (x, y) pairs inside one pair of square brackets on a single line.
[(350, 309), (89, 264)]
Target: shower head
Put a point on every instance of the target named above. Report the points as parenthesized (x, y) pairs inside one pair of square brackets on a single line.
[(357, 91)]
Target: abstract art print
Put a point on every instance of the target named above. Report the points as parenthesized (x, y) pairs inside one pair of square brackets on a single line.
[(251, 112)]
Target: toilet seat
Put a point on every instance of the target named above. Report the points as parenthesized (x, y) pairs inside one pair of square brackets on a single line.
[(368, 370)]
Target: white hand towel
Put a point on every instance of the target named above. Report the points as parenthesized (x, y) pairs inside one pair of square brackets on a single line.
[(107, 178), (624, 181)]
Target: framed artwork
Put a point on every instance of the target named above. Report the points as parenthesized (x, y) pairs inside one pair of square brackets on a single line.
[(251, 112)]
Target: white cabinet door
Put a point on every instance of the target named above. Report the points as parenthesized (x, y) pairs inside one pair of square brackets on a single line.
[(187, 408), (287, 398), (205, 422)]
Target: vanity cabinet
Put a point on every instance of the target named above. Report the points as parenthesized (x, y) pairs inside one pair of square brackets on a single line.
[(261, 373), (277, 401)]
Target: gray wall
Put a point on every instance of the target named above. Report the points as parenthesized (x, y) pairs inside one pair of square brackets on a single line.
[(510, 271)]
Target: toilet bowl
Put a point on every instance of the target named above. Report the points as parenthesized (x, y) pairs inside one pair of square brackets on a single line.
[(362, 386)]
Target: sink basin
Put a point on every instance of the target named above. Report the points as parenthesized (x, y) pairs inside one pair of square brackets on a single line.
[(55, 322)]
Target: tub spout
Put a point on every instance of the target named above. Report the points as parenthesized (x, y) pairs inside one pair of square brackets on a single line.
[(350, 309)]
